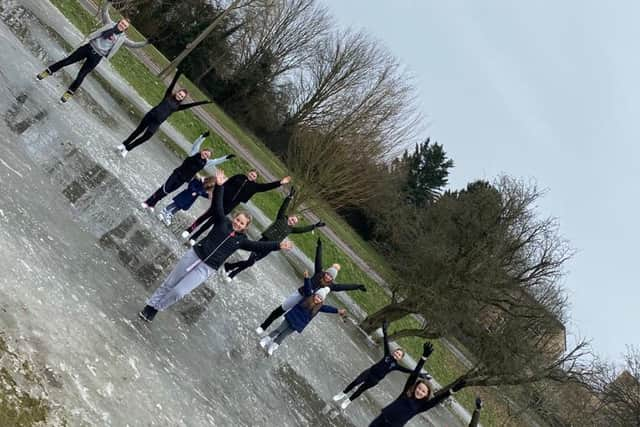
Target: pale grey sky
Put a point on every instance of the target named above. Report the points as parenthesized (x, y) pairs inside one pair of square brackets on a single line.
[(545, 90)]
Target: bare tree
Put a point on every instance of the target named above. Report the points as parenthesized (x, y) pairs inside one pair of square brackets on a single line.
[(353, 89), (285, 31), (619, 390), (329, 171), (235, 4)]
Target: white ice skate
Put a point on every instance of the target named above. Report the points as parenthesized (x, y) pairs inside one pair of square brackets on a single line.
[(185, 234), (145, 206), (264, 342), (339, 396), (192, 242), (344, 404), (272, 348)]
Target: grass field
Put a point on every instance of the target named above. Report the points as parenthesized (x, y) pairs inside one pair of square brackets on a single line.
[(442, 365)]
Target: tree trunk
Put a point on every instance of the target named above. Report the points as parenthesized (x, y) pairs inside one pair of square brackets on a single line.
[(389, 313)]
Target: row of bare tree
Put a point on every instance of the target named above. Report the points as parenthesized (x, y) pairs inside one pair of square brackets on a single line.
[(478, 264)]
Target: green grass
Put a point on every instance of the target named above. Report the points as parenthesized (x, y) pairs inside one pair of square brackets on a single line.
[(443, 365)]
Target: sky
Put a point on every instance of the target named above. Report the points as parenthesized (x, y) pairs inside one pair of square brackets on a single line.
[(540, 90)]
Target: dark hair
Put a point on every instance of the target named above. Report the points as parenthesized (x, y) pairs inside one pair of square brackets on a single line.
[(186, 92), (412, 389)]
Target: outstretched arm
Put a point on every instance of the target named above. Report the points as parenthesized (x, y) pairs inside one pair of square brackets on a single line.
[(318, 259), (342, 288), (328, 309), (385, 338), (197, 144), (283, 208), (135, 45), (169, 90), (475, 418), (261, 188), (191, 105), (427, 349), (219, 160), (104, 12), (303, 229), (259, 246), (218, 194)]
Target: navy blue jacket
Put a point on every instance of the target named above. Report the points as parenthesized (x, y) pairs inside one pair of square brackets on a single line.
[(185, 199), (401, 410), (300, 315), (222, 241)]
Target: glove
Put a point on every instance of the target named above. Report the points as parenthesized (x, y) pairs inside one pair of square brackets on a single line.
[(292, 192), (385, 325), (320, 224), (458, 385), (206, 134), (362, 288), (478, 403), (230, 156), (427, 349), (152, 39)]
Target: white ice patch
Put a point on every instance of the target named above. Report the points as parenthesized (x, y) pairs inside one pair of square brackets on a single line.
[(132, 363)]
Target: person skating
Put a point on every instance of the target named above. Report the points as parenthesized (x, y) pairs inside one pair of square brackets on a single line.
[(277, 231), (475, 418), (197, 187), (300, 315), (372, 376), (238, 189), (198, 159), (416, 397), (207, 256), (320, 279), (151, 121), (102, 43)]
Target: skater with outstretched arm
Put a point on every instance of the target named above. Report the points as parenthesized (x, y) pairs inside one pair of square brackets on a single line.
[(207, 256), (151, 121), (197, 187), (277, 231), (198, 159), (320, 279), (416, 397), (238, 189), (102, 43), (300, 315), (372, 376)]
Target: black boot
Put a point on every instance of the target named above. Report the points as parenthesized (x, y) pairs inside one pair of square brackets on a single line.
[(148, 313)]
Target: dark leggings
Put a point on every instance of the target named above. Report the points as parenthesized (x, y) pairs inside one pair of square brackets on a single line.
[(83, 52), (235, 268), (206, 219), (272, 317), (149, 125), (173, 183), (365, 381), (380, 421)]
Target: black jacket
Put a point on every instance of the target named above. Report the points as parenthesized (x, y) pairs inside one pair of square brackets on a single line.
[(387, 364), (238, 189), (222, 241), (190, 166), (401, 410), (170, 104), (316, 279), (279, 229)]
